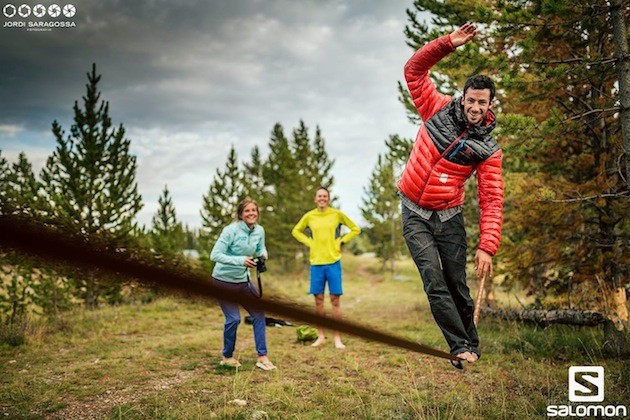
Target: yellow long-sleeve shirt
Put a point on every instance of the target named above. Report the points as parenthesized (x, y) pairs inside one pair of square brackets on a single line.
[(325, 248)]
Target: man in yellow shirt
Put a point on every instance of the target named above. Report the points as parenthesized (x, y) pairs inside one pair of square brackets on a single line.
[(325, 255)]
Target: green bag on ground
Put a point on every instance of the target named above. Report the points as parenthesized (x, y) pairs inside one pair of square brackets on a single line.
[(306, 333)]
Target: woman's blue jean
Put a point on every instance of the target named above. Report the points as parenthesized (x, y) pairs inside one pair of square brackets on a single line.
[(233, 319)]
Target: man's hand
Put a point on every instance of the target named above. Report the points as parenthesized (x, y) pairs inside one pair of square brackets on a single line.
[(483, 263), (463, 34)]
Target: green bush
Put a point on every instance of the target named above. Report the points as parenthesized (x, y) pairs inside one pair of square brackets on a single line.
[(13, 334)]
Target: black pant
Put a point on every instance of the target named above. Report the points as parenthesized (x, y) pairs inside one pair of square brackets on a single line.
[(439, 251)]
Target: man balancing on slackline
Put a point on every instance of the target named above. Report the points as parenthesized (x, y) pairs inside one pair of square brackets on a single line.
[(454, 142)]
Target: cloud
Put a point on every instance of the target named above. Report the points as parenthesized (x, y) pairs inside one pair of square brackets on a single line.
[(10, 130), (190, 79)]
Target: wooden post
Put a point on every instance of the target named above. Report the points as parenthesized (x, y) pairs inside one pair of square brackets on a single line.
[(482, 285)]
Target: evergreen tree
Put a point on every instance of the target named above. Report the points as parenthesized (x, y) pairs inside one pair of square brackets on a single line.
[(226, 190), (23, 190), (191, 238), (90, 180), (167, 233), (294, 169), (566, 200), (381, 210), (28, 287), (321, 164), (398, 151), (51, 291), (282, 210), (253, 176), (4, 182), (17, 293)]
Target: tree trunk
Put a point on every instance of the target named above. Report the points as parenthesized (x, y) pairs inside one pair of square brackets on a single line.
[(623, 73), (393, 243), (616, 325), (91, 296), (614, 340), (543, 317)]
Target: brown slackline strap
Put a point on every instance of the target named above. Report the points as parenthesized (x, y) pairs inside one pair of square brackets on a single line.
[(42, 242)]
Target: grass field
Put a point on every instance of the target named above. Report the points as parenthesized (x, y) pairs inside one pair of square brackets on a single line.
[(160, 360)]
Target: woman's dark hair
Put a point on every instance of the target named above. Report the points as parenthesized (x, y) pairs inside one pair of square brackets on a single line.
[(241, 207), (480, 82)]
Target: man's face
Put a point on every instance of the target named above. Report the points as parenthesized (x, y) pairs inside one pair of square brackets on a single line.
[(476, 104)]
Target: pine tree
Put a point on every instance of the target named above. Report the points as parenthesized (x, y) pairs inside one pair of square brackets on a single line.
[(566, 225), (381, 210), (226, 190), (253, 175), (321, 164), (280, 172), (167, 233), (17, 293), (23, 190), (89, 179), (191, 238), (4, 183), (398, 151), (28, 288), (294, 169)]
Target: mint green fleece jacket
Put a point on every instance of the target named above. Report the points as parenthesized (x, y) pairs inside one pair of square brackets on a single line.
[(237, 242)]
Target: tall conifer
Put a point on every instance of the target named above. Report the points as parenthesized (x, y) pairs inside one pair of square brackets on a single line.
[(381, 210), (23, 189), (167, 234), (90, 179), (226, 190)]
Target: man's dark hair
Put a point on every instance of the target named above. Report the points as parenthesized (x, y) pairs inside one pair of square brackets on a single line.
[(480, 82)]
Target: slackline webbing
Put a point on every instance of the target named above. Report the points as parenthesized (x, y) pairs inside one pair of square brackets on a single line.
[(39, 241)]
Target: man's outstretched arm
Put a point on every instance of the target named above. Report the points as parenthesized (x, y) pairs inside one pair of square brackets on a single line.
[(425, 96)]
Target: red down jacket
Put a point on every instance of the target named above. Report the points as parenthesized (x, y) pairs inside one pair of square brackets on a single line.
[(448, 150)]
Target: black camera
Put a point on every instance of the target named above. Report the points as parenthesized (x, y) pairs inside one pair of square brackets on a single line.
[(261, 267)]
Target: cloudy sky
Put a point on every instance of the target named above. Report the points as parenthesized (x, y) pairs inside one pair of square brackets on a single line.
[(189, 79)]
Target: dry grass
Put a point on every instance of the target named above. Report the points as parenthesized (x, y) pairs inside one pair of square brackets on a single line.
[(159, 360)]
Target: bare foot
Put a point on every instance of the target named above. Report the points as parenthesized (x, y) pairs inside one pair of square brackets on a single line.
[(339, 344), (320, 340), (468, 356)]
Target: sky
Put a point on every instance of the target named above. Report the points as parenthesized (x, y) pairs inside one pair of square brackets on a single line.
[(190, 79)]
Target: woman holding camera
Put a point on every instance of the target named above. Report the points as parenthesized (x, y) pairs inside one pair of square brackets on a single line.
[(233, 254)]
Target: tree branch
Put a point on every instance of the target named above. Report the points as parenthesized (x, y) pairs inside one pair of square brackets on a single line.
[(593, 197), (593, 111)]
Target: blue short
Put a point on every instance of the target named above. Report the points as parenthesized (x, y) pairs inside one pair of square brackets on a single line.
[(331, 273)]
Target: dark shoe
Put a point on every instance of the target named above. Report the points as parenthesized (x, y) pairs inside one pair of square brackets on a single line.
[(457, 364)]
